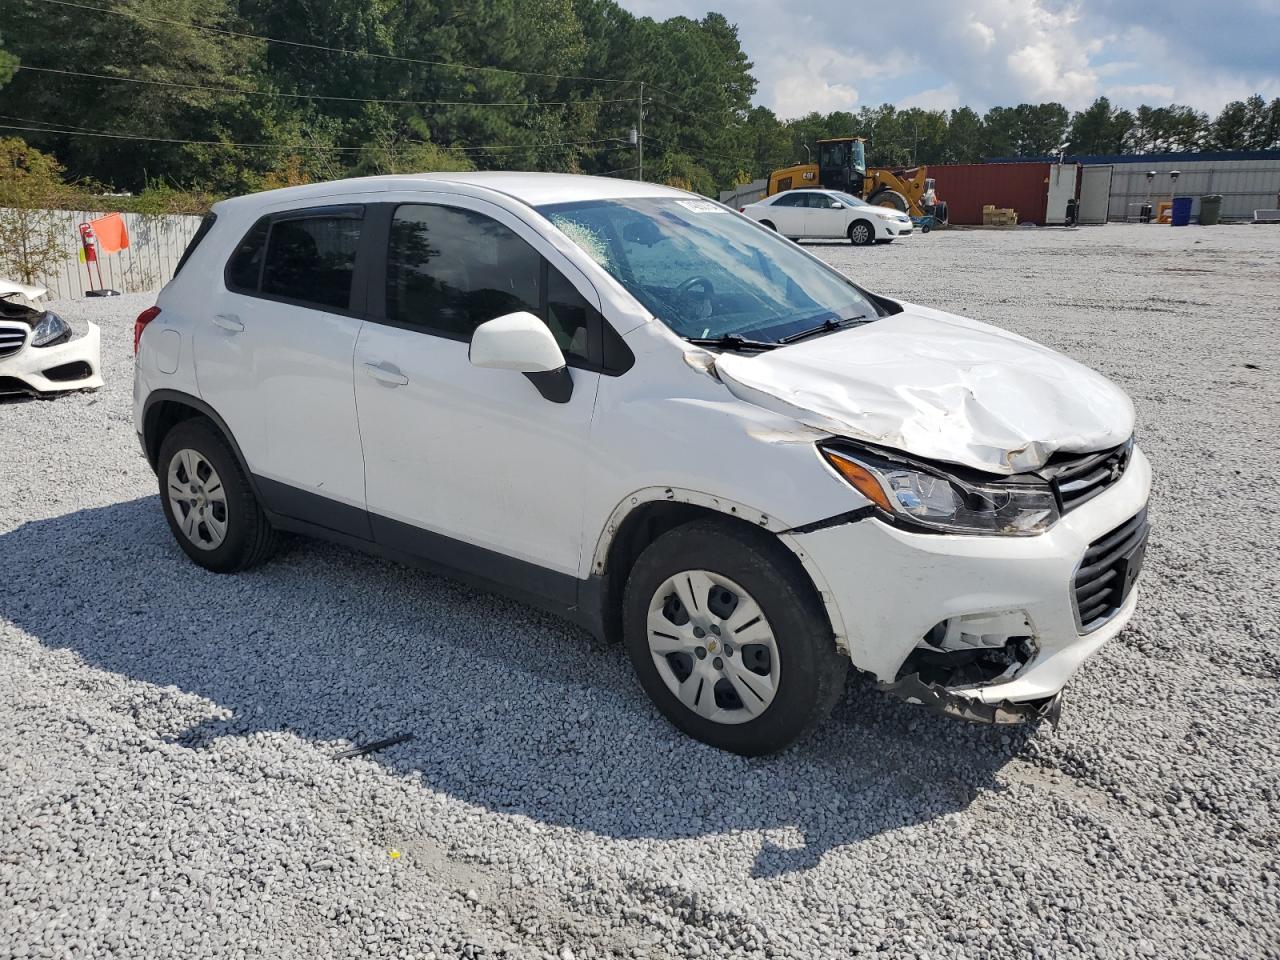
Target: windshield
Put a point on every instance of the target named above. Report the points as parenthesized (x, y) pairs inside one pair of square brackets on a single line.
[(707, 272), (850, 200)]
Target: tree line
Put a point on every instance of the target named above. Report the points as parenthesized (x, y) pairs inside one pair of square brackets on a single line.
[(227, 97)]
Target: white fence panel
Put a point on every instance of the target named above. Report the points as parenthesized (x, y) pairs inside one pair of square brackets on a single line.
[(156, 243)]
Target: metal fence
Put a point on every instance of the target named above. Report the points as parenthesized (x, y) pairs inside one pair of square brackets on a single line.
[(156, 243), (1244, 185), (740, 196)]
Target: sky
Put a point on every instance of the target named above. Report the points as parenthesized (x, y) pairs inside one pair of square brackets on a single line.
[(816, 55)]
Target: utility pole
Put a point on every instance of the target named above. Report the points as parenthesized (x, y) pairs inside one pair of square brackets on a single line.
[(640, 131)]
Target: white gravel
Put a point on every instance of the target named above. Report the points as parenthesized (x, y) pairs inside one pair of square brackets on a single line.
[(168, 786)]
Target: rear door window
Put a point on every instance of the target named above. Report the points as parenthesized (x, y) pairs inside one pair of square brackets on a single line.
[(311, 260)]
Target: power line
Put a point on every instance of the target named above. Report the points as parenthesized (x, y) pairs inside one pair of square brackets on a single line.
[(342, 50), (232, 91), (407, 145)]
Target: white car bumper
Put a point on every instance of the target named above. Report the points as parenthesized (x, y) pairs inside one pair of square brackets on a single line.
[(887, 588), (892, 229), (74, 365)]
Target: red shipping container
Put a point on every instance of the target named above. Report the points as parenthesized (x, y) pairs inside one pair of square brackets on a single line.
[(967, 187)]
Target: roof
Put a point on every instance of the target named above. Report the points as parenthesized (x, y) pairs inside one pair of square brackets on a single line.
[(534, 189), (1185, 156)]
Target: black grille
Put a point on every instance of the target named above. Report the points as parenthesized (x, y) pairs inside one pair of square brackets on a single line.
[(1078, 479), (11, 340), (1107, 572)]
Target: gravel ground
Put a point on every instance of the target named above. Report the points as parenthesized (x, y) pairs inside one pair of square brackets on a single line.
[(168, 785)]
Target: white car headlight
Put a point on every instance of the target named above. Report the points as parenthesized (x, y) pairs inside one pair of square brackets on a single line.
[(51, 330), (921, 497)]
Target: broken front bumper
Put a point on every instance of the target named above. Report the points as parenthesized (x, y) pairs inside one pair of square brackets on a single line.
[(887, 588), (73, 365)]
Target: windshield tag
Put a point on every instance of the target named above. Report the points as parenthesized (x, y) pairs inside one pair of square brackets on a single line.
[(702, 206)]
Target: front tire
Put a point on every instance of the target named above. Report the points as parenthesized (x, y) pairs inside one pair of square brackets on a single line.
[(729, 639), (861, 233), (208, 501)]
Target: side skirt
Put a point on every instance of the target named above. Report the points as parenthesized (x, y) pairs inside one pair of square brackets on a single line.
[(299, 511)]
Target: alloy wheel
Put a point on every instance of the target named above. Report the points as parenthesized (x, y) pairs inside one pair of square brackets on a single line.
[(198, 499), (860, 234), (713, 646)]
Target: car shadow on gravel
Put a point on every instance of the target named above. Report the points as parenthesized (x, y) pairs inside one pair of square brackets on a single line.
[(510, 710)]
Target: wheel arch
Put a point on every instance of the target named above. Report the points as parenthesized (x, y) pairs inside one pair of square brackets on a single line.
[(647, 514), (165, 409)]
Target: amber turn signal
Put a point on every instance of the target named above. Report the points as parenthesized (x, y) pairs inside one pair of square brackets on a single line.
[(861, 478)]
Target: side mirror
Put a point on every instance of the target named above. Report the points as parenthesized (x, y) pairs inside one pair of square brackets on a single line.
[(837, 205), (521, 342)]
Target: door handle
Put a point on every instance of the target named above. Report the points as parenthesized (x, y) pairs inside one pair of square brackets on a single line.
[(228, 321), (386, 373)]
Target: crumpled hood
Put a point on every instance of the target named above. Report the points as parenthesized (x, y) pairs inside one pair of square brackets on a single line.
[(21, 303), (9, 287), (941, 387)]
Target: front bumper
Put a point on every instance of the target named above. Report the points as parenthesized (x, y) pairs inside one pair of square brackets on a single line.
[(74, 365), (893, 230), (886, 588)]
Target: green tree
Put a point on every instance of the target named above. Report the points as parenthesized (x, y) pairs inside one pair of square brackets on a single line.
[(31, 241), (1100, 129), (1168, 129), (8, 64), (124, 46), (965, 137)]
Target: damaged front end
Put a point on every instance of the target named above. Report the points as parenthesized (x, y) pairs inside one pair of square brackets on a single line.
[(40, 355), (960, 657)]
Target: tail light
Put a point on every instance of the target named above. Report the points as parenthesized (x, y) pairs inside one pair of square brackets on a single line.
[(145, 317), (742, 209)]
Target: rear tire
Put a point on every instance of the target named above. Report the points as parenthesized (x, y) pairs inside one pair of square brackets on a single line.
[(208, 501), (768, 671), (861, 233), (769, 224)]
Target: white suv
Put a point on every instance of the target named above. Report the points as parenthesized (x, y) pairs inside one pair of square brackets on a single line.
[(636, 408)]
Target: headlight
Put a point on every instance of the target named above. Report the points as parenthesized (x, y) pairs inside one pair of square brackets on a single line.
[(930, 499), (50, 331)]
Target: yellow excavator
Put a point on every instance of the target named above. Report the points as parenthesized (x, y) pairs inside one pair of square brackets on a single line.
[(842, 165)]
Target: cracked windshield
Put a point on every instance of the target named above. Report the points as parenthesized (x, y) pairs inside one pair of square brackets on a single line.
[(708, 274)]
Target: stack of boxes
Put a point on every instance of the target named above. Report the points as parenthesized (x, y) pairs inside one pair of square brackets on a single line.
[(993, 216)]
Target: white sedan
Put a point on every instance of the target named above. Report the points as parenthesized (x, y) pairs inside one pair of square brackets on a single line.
[(39, 353), (828, 214)]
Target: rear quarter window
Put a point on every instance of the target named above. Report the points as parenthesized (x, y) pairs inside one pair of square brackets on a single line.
[(202, 231), (245, 266)]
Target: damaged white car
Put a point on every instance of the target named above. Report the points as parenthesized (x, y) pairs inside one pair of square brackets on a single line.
[(636, 408), (39, 353)]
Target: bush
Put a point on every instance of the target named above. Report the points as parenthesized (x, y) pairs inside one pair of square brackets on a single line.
[(31, 242)]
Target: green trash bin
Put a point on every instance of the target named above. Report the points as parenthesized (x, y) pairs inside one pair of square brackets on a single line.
[(1210, 207)]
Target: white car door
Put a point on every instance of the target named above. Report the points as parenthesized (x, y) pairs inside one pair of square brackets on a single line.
[(474, 466), (787, 213), (273, 354), (823, 218)]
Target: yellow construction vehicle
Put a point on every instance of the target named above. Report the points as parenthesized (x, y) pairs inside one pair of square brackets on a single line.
[(842, 165)]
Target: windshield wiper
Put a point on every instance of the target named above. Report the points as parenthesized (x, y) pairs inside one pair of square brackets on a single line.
[(827, 326), (732, 341)]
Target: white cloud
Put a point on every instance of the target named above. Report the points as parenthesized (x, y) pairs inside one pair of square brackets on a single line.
[(989, 52), (937, 98)]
